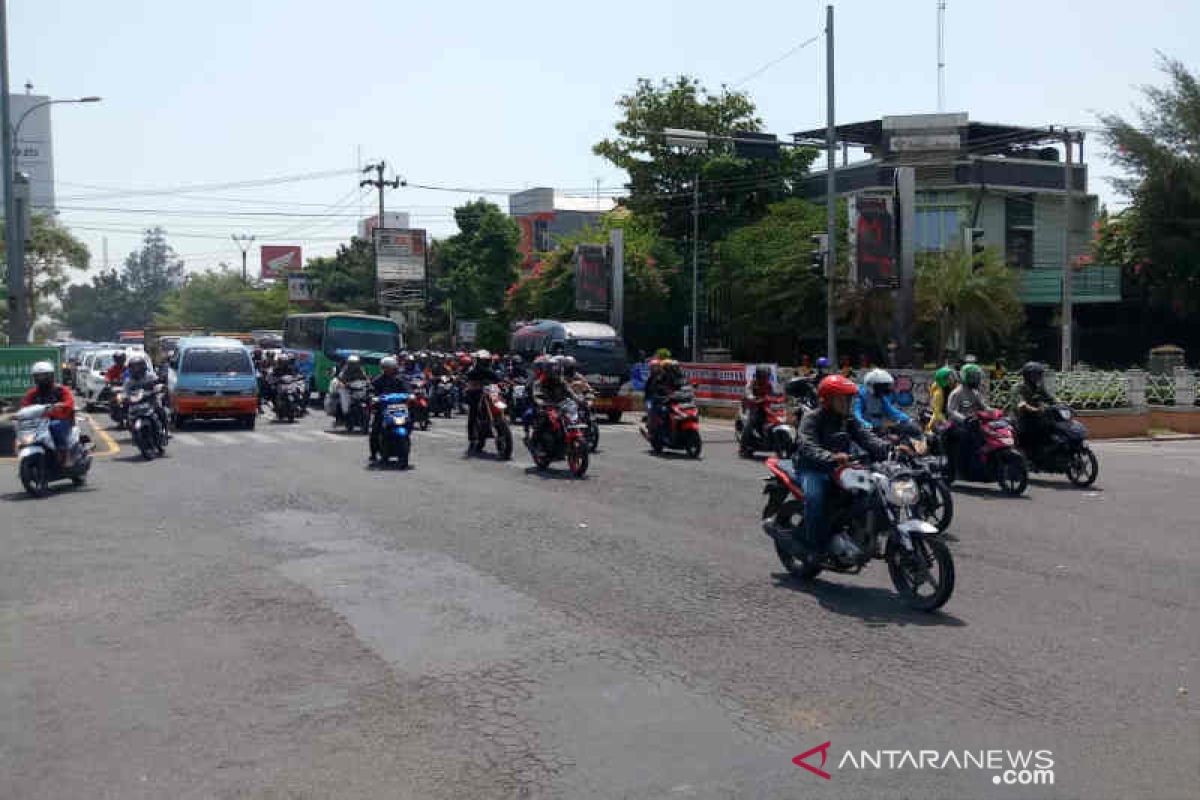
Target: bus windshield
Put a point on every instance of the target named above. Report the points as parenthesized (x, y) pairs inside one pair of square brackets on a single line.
[(599, 356), (355, 336)]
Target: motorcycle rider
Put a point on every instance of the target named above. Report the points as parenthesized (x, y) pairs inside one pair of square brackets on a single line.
[(669, 380), (61, 411), (1033, 398), (757, 394), (873, 406), (142, 377), (410, 369), (574, 378), (339, 388), (824, 442), (388, 381), (116, 371), (944, 381), (479, 374), (549, 389), (967, 400)]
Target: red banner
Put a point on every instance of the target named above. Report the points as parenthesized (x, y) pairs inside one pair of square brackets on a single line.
[(724, 382), (280, 259)]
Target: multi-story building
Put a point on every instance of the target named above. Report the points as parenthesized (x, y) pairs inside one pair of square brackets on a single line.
[(545, 216), (1007, 181)]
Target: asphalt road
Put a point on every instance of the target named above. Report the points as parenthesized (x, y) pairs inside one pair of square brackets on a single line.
[(260, 615)]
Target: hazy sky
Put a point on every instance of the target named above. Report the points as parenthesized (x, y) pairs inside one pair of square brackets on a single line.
[(502, 96)]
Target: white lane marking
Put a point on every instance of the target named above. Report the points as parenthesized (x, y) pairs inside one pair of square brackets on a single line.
[(221, 438), (187, 438), (259, 437), (294, 436)]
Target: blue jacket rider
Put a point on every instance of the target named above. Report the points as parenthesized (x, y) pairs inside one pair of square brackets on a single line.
[(873, 406)]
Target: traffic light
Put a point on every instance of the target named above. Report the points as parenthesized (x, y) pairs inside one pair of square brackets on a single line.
[(820, 255)]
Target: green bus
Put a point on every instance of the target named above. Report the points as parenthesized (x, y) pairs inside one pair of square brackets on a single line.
[(321, 341)]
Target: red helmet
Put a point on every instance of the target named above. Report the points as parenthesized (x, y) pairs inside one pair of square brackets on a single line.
[(835, 386), (464, 360)]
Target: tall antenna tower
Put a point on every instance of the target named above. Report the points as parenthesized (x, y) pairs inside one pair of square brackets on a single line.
[(941, 55)]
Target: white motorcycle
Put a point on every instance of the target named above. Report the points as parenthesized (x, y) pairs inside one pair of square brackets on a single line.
[(37, 457)]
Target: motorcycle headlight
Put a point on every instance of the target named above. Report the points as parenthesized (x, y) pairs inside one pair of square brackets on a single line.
[(24, 439), (902, 493)]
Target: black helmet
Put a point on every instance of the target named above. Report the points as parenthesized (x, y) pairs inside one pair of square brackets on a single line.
[(568, 365), (1033, 371), (762, 372), (119, 357)]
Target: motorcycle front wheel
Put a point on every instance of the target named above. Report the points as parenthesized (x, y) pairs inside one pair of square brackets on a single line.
[(692, 444), (145, 442), (504, 440), (1083, 468), (35, 475), (577, 458), (1012, 474), (928, 564), (936, 503), (790, 516)]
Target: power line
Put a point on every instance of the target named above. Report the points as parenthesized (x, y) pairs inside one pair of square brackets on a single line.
[(775, 61), (305, 176)]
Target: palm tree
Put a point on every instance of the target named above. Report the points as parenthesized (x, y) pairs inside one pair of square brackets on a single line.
[(967, 298)]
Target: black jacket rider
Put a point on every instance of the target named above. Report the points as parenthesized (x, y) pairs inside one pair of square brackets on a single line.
[(824, 433)]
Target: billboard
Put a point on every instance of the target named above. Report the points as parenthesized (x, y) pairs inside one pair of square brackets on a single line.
[(467, 330), (280, 259), (400, 255), (592, 277), (299, 289), (875, 243), (391, 219), (32, 151)]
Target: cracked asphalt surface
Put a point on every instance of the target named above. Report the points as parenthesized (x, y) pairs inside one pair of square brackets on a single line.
[(259, 615)]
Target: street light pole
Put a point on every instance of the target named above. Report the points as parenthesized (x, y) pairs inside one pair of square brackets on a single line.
[(16, 278), (243, 241), (695, 268), (830, 197)]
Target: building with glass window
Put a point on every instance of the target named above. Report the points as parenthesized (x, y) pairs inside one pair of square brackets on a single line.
[(545, 216), (1004, 183)]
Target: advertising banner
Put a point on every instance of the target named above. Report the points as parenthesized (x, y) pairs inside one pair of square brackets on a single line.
[(299, 289), (875, 243), (592, 277), (280, 259), (400, 255), (15, 363), (718, 383), (467, 331)]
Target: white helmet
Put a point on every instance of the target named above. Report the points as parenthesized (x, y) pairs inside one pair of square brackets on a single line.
[(41, 368), (483, 354), (388, 362), (878, 381), (353, 359)]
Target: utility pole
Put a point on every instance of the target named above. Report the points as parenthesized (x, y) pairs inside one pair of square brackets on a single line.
[(616, 243), (696, 269), (1068, 309), (243, 241), (12, 234), (906, 193), (380, 184), (830, 197)]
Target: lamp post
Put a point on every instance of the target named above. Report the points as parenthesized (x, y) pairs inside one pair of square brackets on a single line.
[(243, 241), (18, 326), (696, 141)]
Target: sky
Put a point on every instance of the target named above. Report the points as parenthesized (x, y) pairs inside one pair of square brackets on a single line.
[(292, 96)]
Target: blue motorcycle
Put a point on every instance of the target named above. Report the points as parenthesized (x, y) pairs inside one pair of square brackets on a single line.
[(395, 430)]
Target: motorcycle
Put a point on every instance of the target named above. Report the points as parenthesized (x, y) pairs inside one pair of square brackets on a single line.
[(518, 402), (936, 502), (290, 398), (418, 405), (995, 456), (395, 429), (1060, 446), (774, 434), (492, 422), (804, 391), (587, 414), (681, 428), (146, 422), (563, 434), (441, 402), (872, 511), (37, 457), (118, 408), (360, 400)]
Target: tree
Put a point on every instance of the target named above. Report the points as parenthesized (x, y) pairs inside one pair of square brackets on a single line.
[(733, 190), (221, 300), (345, 281), (50, 253), (148, 275), (973, 301), (1159, 235), (478, 265), (96, 311)]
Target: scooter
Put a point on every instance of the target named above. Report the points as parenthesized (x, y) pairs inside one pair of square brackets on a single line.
[(395, 430), (360, 399), (291, 394), (681, 428), (994, 458), (774, 434), (145, 421), (37, 457), (418, 405), (118, 406), (442, 400), (1060, 446)]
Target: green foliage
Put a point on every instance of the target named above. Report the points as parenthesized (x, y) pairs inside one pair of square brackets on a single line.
[(978, 300), (96, 311), (1158, 238), (476, 266), (345, 281), (50, 253), (220, 300)]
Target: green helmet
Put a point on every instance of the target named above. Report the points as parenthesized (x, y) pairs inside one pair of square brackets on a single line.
[(972, 375), (943, 376)]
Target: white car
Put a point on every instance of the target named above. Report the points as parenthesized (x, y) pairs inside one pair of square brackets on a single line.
[(90, 378)]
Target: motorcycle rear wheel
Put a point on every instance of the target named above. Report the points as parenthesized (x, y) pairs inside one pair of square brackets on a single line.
[(909, 575), (1083, 468), (790, 515), (504, 440), (692, 444)]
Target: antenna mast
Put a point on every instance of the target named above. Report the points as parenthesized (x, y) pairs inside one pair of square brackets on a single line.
[(941, 55)]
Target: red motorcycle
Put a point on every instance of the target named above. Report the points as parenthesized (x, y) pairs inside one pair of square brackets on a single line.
[(774, 434), (562, 434), (418, 405), (492, 423), (993, 455), (680, 430)]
